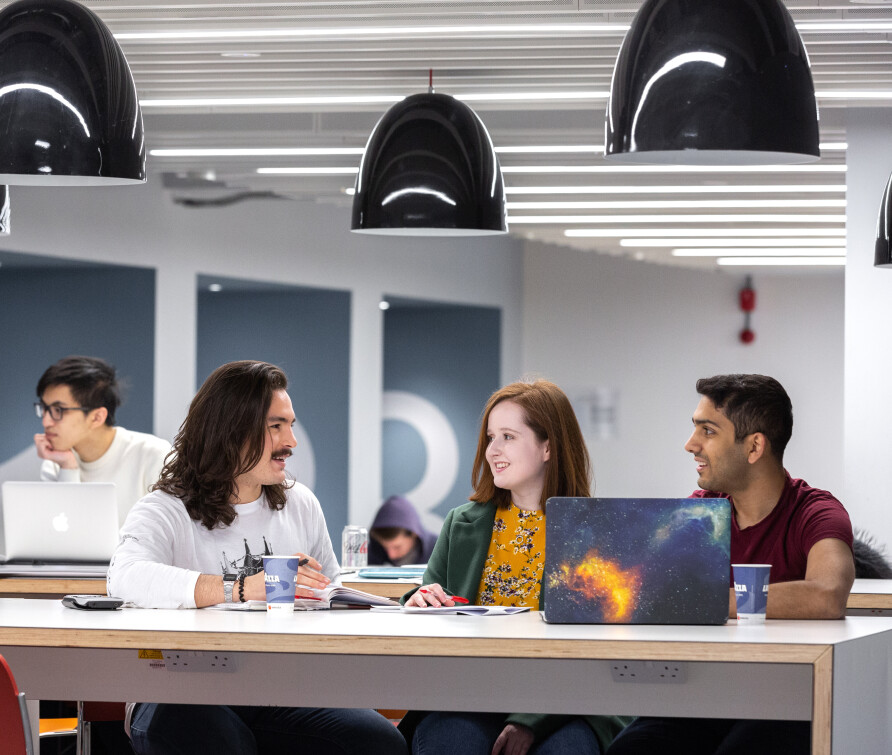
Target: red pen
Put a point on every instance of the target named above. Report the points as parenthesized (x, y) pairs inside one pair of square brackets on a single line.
[(454, 598)]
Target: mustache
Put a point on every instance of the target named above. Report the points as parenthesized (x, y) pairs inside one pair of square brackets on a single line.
[(286, 452)]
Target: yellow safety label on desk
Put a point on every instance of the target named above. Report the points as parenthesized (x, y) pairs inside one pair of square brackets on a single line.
[(152, 655)]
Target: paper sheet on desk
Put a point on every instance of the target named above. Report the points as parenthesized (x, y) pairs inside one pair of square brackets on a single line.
[(464, 610), (300, 604)]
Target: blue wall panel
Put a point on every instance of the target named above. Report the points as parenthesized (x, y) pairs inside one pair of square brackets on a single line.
[(307, 334), (49, 313), (448, 355)]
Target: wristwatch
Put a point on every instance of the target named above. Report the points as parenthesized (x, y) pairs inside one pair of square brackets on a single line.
[(228, 584)]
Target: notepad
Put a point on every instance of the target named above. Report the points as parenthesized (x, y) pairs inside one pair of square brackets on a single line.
[(350, 597), (465, 610), (392, 572)]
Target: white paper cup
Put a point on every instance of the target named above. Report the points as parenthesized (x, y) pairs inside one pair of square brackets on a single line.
[(751, 591), (280, 578)]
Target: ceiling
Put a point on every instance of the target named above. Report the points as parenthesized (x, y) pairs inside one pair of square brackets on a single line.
[(295, 75)]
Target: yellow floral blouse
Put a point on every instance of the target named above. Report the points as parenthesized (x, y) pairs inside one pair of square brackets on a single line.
[(513, 567)]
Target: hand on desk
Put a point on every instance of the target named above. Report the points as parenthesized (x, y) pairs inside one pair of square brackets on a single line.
[(45, 450), (309, 576), (430, 595), (515, 739)]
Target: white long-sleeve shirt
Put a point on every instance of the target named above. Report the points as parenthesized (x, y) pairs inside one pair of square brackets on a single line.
[(132, 462), (162, 551)]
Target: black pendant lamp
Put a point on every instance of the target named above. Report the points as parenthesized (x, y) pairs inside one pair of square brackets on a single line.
[(723, 82), (882, 255), (429, 169), (4, 211), (69, 114)]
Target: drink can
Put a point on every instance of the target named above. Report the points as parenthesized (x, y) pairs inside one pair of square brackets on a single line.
[(354, 547)]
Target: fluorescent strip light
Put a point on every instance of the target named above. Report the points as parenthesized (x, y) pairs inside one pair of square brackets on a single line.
[(659, 233), (781, 261), (516, 30), (525, 30), (258, 152), (379, 99), (615, 168), (834, 242), (570, 96), (710, 218), (845, 26), (809, 252), (308, 171), (685, 189), (551, 150), (855, 95), (833, 146), (532, 96), (680, 204)]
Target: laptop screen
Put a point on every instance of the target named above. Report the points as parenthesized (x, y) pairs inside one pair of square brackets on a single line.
[(60, 521), (637, 560)]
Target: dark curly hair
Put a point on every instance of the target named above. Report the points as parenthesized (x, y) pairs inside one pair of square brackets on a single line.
[(221, 438)]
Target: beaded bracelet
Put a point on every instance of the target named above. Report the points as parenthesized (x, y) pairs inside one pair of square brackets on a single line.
[(241, 587)]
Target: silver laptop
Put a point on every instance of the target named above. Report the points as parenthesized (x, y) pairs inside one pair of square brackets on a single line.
[(67, 522)]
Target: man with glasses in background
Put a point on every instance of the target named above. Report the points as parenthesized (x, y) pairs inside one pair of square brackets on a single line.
[(78, 397)]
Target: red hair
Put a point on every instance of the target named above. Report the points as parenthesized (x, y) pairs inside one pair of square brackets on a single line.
[(548, 413)]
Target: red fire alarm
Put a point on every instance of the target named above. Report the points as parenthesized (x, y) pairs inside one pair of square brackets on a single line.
[(747, 305)]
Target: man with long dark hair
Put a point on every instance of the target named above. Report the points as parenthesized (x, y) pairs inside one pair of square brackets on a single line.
[(223, 501)]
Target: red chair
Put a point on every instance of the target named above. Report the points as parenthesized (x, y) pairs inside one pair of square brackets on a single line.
[(14, 721)]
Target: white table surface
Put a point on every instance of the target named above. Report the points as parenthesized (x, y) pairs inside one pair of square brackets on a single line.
[(837, 672)]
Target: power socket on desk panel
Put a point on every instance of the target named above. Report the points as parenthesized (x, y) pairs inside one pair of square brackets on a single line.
[(199, 660), (650, 672)]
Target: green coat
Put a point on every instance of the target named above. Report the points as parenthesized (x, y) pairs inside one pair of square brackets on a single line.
[(457, 565)]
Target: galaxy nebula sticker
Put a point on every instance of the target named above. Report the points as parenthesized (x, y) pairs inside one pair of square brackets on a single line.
[(637, 561)]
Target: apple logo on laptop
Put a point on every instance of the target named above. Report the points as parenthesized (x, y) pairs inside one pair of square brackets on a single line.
[(60, 522)]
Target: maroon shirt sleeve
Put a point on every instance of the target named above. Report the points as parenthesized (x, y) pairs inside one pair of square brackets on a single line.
[(820, 516)]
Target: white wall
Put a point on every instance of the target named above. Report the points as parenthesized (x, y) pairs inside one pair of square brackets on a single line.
[(651, 331), (868, 354), (581, 319), (282, 241)]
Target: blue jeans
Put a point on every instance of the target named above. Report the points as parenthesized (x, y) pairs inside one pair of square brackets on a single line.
[(475, 734), (712, 736), (163, 729)]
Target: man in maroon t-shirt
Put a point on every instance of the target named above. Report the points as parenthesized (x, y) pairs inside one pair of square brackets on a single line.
[(741, 428)]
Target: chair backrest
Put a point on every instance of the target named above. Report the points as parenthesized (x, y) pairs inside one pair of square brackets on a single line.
[(14, 722)]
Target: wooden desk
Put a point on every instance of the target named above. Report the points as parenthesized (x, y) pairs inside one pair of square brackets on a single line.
[(387, 588), (34, 587), (871, 597), (834, 673)]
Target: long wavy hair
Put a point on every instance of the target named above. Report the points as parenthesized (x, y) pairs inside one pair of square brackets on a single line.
[(222, 437), (548, 413)]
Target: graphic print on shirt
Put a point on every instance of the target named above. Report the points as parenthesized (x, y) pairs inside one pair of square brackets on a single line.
[(515, 560), (249, 563)]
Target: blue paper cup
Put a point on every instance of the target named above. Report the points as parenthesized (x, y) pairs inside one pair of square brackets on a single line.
[(280, 577), (751, 589)]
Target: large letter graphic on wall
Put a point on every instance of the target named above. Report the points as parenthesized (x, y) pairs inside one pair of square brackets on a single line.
[(441, 451), (302, 462)]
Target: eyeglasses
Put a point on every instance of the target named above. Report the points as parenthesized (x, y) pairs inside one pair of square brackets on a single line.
[(55, 411)]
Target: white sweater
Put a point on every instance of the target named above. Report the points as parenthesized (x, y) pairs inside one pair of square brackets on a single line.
[(133, 463), (162, 551)]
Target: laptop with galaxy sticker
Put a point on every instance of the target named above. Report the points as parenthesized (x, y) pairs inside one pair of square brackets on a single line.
[(637, 560)]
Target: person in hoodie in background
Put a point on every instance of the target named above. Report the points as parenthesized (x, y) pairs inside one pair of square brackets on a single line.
[(397, 536)]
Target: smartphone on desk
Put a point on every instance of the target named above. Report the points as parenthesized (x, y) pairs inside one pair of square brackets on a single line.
[(92, 602)]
